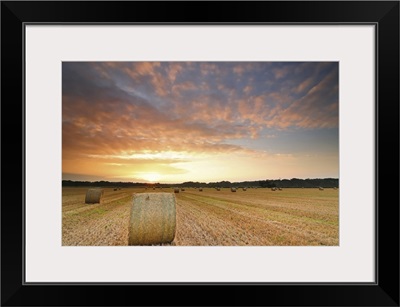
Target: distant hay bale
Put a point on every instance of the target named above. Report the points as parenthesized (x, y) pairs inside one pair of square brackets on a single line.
[(115, 189), (200, 189), (280, 189), (183, 190), (152, 219), (244, 189), (335, 188), (273, 189), (218, 189), (176, 190), (93, 196), (321, 188), (233, 189)]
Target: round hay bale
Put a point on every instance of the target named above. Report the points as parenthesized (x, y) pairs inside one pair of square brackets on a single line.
[(153, 219), (115, 189), (93, 196), (273, 189), (218, 189), (321, 188), (183, 190), (233, 189), (200, 190), (280, 189), (176, 190), (244, 189)]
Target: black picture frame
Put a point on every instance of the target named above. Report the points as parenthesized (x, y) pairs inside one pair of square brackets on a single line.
[(383, 14)]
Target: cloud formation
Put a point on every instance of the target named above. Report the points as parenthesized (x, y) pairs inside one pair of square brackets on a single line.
[(116, 111)]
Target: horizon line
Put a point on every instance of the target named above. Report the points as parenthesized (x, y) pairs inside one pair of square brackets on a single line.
[(171, 183)]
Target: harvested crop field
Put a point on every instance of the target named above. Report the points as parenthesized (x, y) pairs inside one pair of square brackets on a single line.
[(256, 217)]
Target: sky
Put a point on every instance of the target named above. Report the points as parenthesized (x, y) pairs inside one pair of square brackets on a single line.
[(172, 122)]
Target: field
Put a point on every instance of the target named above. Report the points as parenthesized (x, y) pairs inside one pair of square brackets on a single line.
[(256, 217)]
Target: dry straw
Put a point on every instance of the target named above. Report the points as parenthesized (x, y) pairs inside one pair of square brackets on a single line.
[(93, 196), (153, 219)]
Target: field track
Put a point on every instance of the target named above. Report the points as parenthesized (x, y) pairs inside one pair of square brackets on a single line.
[(256, 217)]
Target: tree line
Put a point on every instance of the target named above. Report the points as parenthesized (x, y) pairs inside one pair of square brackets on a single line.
[(268, 183)]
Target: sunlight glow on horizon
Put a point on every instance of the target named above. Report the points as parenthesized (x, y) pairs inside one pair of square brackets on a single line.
[(152, 177)]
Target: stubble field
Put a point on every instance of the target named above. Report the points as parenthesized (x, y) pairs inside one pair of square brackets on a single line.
[(256, 217)]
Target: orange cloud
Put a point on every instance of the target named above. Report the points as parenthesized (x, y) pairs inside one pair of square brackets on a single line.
[(247, 89), (281, 72), (184, 86), (174, 70), (304, 85)]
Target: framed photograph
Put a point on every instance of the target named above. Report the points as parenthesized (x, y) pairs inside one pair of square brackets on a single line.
[(242, 146)]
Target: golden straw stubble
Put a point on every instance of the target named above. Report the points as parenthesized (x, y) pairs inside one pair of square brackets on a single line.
[(153, 219)]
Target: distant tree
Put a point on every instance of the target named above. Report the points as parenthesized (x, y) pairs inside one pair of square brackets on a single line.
[(282, 183)]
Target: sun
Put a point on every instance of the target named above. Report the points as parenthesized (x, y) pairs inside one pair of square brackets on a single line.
[(152, 177)]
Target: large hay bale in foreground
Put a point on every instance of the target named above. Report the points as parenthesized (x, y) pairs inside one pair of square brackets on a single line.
[(93, 196), (153, 219)]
